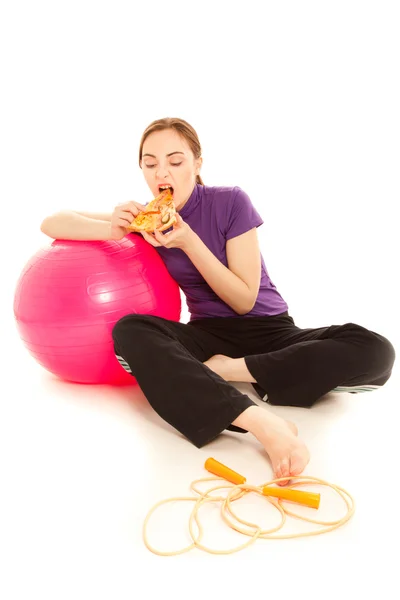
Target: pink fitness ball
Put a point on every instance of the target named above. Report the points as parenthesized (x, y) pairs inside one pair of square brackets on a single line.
[(70, 295)]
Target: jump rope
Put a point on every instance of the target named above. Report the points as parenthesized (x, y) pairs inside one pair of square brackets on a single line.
[(274, 495)]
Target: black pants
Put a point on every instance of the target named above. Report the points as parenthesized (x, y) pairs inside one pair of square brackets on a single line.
[(292, 366)]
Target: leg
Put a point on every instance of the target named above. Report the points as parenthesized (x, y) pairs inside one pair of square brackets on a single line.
[(311, 362), (166, 359), (230, 369)]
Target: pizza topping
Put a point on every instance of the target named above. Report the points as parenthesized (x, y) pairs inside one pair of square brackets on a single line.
[(158, 214)]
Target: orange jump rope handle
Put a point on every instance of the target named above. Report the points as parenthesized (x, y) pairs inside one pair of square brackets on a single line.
[(217, 468), (306, 498)]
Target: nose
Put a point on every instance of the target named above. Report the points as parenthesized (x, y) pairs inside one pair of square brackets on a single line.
[(161, 173)]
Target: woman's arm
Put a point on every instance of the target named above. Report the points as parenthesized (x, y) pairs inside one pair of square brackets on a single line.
[(72, 225), (96, 216), (239, 284)]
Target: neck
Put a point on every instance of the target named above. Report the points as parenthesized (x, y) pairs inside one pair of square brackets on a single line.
[(180, 206)]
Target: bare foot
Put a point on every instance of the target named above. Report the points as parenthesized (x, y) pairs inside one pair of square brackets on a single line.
[(292, 426), (288, 455)]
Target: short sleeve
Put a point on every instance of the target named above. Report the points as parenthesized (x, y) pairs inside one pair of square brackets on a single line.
[(242, 216)]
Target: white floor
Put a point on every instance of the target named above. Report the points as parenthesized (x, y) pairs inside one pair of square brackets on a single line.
[(82, 465)]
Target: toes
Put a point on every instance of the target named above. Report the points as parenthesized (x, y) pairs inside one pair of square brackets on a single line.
[(284, 470), (297, 464), (296, 471), (277, 470)]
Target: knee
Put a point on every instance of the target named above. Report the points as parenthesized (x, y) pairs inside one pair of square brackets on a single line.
[(129, 325), (380, 352), (387, 353)]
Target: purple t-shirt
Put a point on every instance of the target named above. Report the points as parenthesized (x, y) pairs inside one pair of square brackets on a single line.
[(218, 214)]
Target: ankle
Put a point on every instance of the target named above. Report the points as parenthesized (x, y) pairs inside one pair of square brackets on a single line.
[(250, 419)]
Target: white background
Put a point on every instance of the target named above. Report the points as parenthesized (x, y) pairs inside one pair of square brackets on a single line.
[(298, 104)]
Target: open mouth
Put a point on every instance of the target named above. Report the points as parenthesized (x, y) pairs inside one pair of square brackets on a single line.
[(162, 189)]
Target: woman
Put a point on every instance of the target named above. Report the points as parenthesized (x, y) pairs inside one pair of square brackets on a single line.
[(239, 328)]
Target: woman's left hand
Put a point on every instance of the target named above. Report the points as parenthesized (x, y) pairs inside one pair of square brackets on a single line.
[(179, 237)]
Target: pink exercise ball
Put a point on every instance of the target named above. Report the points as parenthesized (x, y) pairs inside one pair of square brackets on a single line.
[(70, 295)]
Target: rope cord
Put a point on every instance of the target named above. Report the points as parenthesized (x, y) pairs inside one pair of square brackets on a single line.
[(254, 531)]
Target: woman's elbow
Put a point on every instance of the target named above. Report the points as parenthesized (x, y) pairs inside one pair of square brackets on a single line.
[(246, 309), (45, 227)]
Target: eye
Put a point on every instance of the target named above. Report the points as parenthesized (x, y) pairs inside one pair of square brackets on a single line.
[(172, 164)]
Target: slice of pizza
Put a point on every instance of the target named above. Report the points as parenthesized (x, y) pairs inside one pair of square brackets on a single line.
[(159, 214)]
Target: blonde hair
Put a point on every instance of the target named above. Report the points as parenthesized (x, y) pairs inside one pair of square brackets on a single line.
[(180, 126)]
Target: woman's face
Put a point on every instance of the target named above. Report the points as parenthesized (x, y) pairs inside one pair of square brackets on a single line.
[(168, 159)]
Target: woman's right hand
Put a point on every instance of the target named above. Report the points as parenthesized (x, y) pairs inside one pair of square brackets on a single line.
[(123, 216)]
